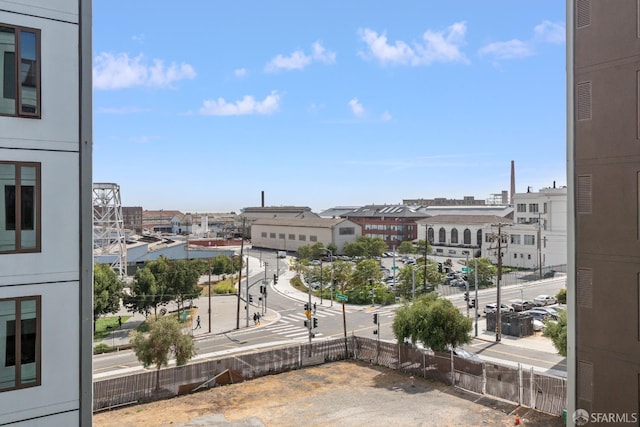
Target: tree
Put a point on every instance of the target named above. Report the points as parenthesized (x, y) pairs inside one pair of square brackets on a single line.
[(146, 293), (433, 321), (373, 246), (221, 264), (353, 249), (318, 250), (333, 248), (557, 331), (182, 281), (304, 253), (486, 271), (165, 339), (406, 248), (406, 276), (107, 291), (561, 296)]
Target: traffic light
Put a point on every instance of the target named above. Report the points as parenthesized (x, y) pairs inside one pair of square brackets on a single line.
[(250, 298), (306, 323), (306, 306), (315, 322), (466, 296), (375, 318), (375, 332), (275, 279), (262, 289)]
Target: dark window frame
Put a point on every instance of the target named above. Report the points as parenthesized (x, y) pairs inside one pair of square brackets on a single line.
[(35, 80), (18, 358), (26, 222)]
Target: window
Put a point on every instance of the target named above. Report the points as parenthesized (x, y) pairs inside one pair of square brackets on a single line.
[(281, 236), (466, 236), (272, 235), (346, 231), (20, 337), (522, 220), (302, 237), (454, 235), (264, 234), (515, 255), (515, 239), (533, 207), (292, 237), (529, 239), (313, 238), (19, 207), (19, 71), (479, 238), (442, 235), (522, 207)]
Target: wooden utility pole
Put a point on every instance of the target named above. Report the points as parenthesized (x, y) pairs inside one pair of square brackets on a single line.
[(240, 277), (499, 237)]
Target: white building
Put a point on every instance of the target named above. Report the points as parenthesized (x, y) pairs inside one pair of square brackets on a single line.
[(288, 234), (46, 286), (537, 238)]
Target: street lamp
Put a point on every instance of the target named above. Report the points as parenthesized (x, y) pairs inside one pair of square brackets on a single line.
[(331, 280)]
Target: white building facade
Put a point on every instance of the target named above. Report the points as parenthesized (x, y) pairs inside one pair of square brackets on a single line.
[(537, 238), (46, 265), (289, 234)]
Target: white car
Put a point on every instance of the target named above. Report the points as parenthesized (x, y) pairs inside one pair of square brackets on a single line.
[(546, 299), (491, 308)]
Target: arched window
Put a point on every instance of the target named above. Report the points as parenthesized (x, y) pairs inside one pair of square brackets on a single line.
[(454, 235), (479, 238), (467, 236), (442, 235), (430, 235)]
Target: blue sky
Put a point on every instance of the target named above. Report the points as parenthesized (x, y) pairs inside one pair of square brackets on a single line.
[(202, 105)]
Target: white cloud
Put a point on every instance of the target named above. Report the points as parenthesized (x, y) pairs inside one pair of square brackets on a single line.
[(118, 71), (550, 32), (436, 46), (142, 139), (240, 72), (138, 38), (507, 50), (299, 60), (245, 106), (323, 55), (385, 117), (356, 108), (545, 32)]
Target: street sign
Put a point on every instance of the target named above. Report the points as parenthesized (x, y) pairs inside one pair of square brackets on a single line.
[(342, 297), (395, 267), (466, 269)]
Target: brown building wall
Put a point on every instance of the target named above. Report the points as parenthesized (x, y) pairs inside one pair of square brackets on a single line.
[(607, 153)]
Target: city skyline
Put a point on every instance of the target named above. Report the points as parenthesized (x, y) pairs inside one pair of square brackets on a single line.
[(202, 109)]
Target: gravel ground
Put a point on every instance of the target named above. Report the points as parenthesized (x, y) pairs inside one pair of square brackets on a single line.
[(334, 394)]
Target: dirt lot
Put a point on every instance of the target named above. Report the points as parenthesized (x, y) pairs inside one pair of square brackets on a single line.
[(334, 394)]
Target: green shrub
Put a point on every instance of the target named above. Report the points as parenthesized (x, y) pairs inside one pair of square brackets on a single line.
[(101, 348), (562, 296)]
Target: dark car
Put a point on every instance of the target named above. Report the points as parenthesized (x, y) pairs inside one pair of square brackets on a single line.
[(520, 305)]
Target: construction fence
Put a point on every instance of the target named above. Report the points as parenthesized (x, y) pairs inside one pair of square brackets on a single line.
[(523, 387)]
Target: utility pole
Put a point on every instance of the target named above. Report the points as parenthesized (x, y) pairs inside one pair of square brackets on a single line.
[(246, 294), (240, 277), (499, 238), (476, 304), (467, 285), (264, 289), (209, 292)]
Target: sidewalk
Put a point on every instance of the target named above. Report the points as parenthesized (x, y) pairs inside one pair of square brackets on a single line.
[(223, 318)]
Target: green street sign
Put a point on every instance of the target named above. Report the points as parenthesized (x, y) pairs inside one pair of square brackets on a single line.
[(395, 267), (466, 269), (342, 297)]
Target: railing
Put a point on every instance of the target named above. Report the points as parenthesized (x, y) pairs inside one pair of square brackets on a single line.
[(524, 387)]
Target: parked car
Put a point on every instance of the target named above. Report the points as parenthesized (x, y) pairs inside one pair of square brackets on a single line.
[(461, 352), (492, 308), (520, 305), (547, 311), (315, 262), (458, 283), (546, 299)]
